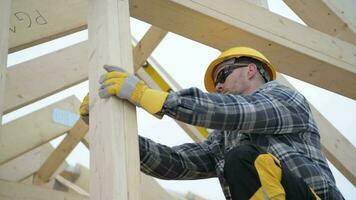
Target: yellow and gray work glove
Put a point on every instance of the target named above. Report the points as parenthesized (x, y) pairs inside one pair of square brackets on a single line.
[(119, 83), (84, 109)]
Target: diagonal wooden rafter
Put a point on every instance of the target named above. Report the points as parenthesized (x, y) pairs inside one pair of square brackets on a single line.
[(144, 48), (62, 69), (58, 156), (296, 50), (27, 164), (33, 130), (339, 15)]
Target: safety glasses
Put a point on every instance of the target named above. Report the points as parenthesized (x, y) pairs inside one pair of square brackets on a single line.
[(226, 71)]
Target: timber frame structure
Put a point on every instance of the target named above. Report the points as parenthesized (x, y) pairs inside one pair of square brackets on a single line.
[(323, 54)]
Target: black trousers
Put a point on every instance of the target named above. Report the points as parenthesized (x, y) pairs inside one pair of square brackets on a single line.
[(254, 174)]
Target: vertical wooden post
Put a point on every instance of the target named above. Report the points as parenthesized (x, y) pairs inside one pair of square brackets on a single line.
[(114, 157), (5, 10)]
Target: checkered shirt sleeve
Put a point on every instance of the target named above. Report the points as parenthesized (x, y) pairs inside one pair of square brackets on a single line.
[(184, 162)]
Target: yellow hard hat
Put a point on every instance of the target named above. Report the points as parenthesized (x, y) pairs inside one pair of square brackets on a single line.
[(236, 52)]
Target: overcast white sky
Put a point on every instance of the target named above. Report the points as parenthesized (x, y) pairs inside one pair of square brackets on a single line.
[(186, 61)]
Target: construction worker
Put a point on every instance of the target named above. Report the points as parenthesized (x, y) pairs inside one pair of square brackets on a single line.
[(265, 143)]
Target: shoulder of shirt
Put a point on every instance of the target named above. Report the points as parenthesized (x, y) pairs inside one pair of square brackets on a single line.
[(273, 88)]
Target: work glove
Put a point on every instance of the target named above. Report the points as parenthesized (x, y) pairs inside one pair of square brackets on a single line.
[(84, 109), (117, 82)]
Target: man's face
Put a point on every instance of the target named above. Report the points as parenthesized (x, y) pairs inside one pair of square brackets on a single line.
[(231, 78)]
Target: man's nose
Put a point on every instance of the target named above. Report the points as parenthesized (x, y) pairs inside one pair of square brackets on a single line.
[(219, 87)]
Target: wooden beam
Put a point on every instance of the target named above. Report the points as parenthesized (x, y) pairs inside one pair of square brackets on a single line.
[(33, 130), (20, 191), (34, 22), (27, 164), (58, 156), (59, 70), (337, 148), (148, 43), (339, 15), (114, 159), (296, 50), (4, 42)]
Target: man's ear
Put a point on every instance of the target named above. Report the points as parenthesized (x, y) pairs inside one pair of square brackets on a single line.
[(252, 70)]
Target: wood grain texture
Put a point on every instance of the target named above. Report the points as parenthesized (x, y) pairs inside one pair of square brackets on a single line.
[(35, 21), (27, 164), (58, 156), (114, 156), (144, 48), (5, 6), (335, 18), (59, 70)]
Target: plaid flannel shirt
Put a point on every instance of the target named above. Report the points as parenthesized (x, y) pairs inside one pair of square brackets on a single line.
[(274, 117)]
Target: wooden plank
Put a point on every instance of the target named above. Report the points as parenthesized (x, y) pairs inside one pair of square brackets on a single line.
[(20, 191), (59, 70), (296, 50), (148, 43), (33, 130), (58, 156), (114, 159), (34, 21), (4, 42), (339, 15), (337, 148), (27, 164)]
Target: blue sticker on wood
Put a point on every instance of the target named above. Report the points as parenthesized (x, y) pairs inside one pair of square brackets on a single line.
[(64, 117)]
